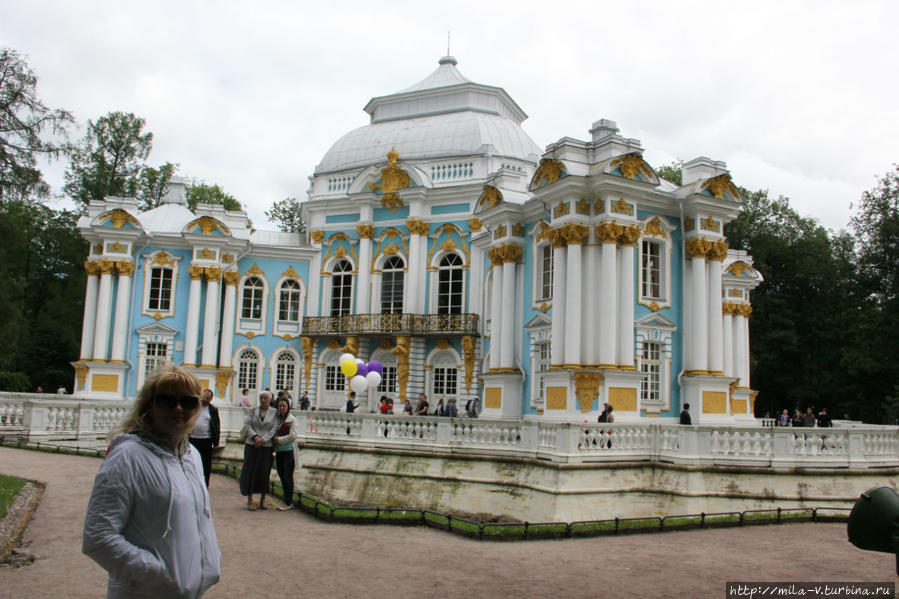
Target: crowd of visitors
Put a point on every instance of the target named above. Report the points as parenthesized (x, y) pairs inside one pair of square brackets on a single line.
[(808, 419)]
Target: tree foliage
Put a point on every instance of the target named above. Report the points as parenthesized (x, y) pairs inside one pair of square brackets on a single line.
[(201, 193), (288, 215), (671, 172), (28, 130), (109, 159), (152, 185)]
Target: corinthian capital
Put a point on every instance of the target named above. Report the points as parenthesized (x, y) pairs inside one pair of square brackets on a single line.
[(213, 273), (698, 247), (574, 233), (125, 267), (231, 277), (718, 251), (92, 268), (629, 235), (609, 232), (511, 252), (195, 272), (365, 231), (106, 266), (417, 226)]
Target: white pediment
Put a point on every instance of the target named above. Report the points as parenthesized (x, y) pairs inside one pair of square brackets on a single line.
[(156, 328), (655, 321)]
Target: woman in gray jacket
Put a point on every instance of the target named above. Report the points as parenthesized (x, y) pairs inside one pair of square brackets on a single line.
[(255, 476), (149, 520)]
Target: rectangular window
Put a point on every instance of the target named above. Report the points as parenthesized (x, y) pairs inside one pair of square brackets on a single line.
[(160, 290), (392, 292), (545, 261), (284, 376), (651, 368), (334, 379), (246, 375), (156, 354), (651, 270), (543, 353), (388, 380), (445, 381), (289, 308)]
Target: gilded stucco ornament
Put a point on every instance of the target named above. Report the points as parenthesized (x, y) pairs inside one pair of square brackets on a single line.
[(586, 388), (393, 178), (632, 165), (728, 308), (574, 233), (449, 246), (417, 226), (718, 250), (290, 272), (544, 307), (698, 247), (518, 230), (499, 232), (91, 268), (221, 381), (720, 184), (582, 207), (254, 270), (117, 248), (710, 224), (475, 224), (391, 249), (365, 231), (629, 235), (232, 277), (654, 228), (206, 254), (125, 267), (119, 217), (468, 356), (213, 273), (510, 252), (162, 259), (548, 172), (318, 236), (307, 346), (352, 346), (340, 252), (738, 268), (490, 197), (98, 249), (80, 373), (622, 207), (609, 232), (654, 306), (195, 272), (494, 255), (689, 224), (401, 351), (561, 209), (106, 266), (227, 258), (735, 293)]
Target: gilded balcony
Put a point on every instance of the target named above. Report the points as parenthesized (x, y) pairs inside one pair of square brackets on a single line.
[(419, 325)]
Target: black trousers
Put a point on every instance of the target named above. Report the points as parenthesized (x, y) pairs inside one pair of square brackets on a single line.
[(284, 464), (204, 446)]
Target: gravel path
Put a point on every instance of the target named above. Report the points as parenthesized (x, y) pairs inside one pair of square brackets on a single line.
[(266, 553)]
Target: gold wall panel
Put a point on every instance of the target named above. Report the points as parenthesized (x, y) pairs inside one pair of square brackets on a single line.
[(105, 383), (623, 399), (493, 397), (556, 398), (738, 406), (714, 402)]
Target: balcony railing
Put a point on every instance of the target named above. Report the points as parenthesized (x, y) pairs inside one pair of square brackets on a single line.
[(424, 325)]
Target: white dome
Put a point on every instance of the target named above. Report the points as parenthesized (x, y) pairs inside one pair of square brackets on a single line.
[(445, 115)]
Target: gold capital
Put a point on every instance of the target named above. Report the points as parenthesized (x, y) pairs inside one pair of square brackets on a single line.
[(475, 224), (92, 268), (718, 251), (574, 233), (511, 252), (196, 272), (417, 226), (365, 231), (609, 232), (213, 273), (106, 266), (629, 235), (698, 247), (125, 267), (232, 277)]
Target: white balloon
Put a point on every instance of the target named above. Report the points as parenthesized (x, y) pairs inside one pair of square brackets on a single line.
[(373, 378), (345, 357), (358, 384)]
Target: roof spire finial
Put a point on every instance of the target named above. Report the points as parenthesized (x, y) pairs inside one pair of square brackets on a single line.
[(448, 53)]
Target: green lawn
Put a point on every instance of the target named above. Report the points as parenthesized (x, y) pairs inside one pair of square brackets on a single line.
[(9, 488)]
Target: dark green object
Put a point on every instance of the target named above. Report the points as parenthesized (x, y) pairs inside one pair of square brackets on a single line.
[(874, 522)]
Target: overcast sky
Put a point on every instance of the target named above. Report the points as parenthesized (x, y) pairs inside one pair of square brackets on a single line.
[(798, 97)]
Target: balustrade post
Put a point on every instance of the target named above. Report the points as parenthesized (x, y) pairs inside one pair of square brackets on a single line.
[(444, 432), (566, 440), (856, 448), (782, 445), (529, 436), (35, 418), (86, 420), (369, 428)]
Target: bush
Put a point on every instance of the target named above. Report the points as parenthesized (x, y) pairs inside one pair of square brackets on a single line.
[(14, 381)]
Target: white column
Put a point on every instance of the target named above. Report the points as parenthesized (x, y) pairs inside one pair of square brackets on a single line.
[(699, 357), (496, 309), (507, 345), (421, 260), (560, 257), (716, 322), (626, 290), (122, 306), (228, 316), (728, 341), (590, 338), (608, 295), (192, 326), (476, 281), (90, 310), (741, 358), (573, 305), (211, 319), (745, 364), (410, 301), (313, 301), (364, 287), (104, 304)]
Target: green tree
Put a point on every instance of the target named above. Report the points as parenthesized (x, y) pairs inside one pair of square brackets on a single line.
[(288, 215), (201, 193), (109, 159), (803, 311), (152, 184), (28, 130), (671, 172)]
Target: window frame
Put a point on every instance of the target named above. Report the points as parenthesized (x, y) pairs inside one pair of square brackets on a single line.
[(244, 324), (394, 271), (453, 271), (162, 260)]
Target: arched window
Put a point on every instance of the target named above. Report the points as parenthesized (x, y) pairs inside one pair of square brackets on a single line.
[(285, 371), (449, 285), (248, 370), (253, 290), (289, 304), (341, 288), (445, 382), (392, 286)]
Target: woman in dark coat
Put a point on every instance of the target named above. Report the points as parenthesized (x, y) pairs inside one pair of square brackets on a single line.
[(255, 477)]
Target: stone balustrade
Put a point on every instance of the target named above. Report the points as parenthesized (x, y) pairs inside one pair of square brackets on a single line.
[(53, 417)]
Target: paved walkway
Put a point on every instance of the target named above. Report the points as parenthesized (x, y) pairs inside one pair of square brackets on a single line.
[(270, 553)]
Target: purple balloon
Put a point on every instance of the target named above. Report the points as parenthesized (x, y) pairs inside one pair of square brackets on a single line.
[(362, 370), (375, 366)]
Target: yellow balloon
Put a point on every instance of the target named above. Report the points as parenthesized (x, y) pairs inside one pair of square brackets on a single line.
[(349, 367)]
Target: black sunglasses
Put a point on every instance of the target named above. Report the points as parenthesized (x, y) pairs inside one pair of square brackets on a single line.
[(169, 401)]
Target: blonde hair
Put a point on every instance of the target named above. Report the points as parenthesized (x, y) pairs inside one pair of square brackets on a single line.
[(166, 375)]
